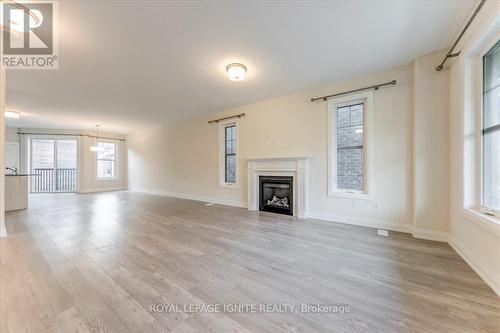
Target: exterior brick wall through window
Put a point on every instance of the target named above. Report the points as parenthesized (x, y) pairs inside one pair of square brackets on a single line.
[(350, 147)]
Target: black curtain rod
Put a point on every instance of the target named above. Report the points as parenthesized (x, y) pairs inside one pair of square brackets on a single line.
[(230, 117), (374, 87), (450, 53), (62, 134)]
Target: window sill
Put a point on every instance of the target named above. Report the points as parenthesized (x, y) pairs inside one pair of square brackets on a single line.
[(349, 195), (229, 185), (489, 223)]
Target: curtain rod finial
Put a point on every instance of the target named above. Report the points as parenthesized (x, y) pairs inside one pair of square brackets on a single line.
[(394, 81)]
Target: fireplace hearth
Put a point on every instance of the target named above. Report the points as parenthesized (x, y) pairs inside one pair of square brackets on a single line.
[(276, 194)]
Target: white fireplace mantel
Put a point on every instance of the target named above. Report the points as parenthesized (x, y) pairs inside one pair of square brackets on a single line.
[(296, 167)]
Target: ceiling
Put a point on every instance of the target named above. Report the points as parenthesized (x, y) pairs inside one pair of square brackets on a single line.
[(128, 64)]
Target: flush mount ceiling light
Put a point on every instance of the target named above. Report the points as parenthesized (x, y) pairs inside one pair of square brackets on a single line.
[(12, 114), (236, 71), (96, 147)]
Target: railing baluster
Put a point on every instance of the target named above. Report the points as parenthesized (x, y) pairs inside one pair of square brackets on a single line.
[(50, 180)]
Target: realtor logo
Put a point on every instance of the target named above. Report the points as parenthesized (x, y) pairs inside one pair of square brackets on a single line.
[(28, 38)]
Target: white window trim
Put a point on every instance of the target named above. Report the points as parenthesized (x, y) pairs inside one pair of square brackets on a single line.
[(103, 179), (222, 151), (472, 176), (478, 217), (480, 116), (367, 98)]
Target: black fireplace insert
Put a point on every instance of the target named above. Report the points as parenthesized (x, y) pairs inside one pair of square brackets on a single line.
[(276, 194)]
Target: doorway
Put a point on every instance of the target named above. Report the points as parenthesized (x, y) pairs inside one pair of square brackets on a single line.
[(53, 163)]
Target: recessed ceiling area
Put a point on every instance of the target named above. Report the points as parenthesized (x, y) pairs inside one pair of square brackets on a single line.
[(128, 64)]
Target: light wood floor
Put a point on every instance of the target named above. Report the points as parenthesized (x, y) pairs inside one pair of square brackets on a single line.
[(79, 263)]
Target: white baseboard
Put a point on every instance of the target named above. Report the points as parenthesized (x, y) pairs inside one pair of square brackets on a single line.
[(232, 203), (372, 223), (420, 233), (429, 234), (104, 189), (475, 266)]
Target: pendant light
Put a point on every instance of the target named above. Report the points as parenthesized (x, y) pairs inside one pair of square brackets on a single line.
[(96, 147)]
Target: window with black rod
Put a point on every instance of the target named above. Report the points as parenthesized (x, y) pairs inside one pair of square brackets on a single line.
[(491, 130), (230, 154)]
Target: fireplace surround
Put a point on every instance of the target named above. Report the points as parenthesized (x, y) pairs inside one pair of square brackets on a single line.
[(297, 168)]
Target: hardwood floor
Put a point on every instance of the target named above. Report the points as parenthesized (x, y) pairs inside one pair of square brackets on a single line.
[(98, 262)]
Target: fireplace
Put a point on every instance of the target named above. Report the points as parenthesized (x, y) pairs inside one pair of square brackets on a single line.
[(281, 167), (276, 194)]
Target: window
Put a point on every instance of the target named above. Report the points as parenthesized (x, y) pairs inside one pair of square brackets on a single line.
[(350, 147), (230, 154), (348, 155), (228, 173), (491, 129), (54, 162), (106, 160)]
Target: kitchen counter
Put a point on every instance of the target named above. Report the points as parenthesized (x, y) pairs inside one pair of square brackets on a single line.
[(16, 192)]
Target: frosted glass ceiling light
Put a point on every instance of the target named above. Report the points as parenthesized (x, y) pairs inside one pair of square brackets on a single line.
[(12, 114), (236, 71)]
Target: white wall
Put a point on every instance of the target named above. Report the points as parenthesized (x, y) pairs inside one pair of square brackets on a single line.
[(86, 160), (430, 147), (477, 240), (182, 158), (2, 150), (11, 134), (12, 153)]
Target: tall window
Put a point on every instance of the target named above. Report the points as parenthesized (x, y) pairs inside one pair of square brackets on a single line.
[(228, 153), (348, 155), (491, 129), (350, 148), (106, 160)]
